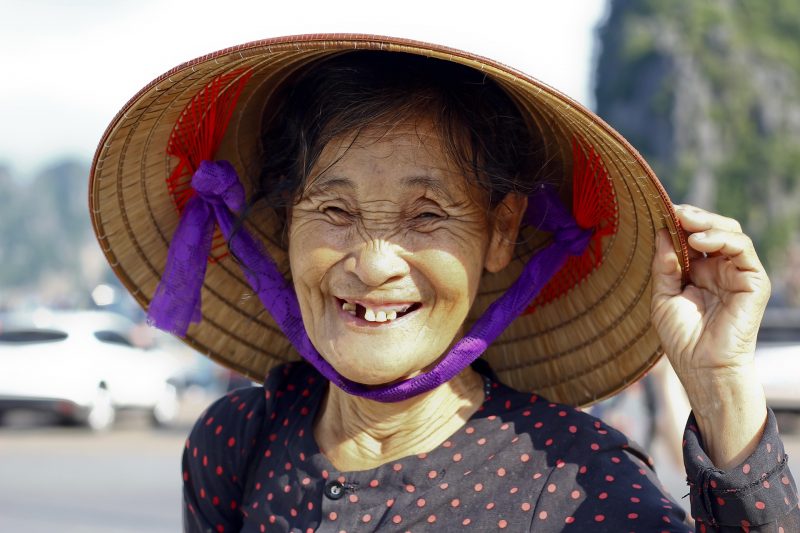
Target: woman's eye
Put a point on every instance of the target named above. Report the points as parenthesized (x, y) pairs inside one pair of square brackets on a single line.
[(338, 215), (333, 210), (428, 215)]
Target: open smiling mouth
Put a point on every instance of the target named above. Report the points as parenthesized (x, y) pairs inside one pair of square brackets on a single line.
[(382, 313)]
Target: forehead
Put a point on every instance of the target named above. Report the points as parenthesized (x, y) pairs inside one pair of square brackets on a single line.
[(409, 155)]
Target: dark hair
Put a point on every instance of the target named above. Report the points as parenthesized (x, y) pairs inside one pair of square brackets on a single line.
[(481, 128)]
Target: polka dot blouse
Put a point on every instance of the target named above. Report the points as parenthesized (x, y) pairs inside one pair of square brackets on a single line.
[(520, 463)]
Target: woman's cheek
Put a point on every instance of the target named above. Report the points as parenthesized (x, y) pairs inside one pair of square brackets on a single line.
[(310, 259), (449, 278)]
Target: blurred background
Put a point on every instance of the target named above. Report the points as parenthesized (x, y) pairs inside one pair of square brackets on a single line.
[(94, 405)]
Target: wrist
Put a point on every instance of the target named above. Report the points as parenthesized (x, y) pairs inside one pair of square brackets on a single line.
[(714, 392), (730, 409)]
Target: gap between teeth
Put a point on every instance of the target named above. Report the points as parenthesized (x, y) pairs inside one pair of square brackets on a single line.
[(370, 315)]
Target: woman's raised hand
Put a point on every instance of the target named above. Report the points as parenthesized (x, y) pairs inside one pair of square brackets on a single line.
[(711, 324), (708, 328)]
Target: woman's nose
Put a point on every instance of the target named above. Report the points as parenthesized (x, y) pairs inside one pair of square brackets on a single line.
[(377, 262)]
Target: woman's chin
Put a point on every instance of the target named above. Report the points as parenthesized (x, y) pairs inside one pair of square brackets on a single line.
[(383, 363), (375, 373), (375, 378)]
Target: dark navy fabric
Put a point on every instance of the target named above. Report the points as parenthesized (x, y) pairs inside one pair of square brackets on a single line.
[(521, 463)]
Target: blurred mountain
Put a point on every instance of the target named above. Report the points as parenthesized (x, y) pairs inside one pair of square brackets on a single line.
[(47, 249), (709, 92)]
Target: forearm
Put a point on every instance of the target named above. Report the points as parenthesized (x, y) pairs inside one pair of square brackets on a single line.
[(730, 410)]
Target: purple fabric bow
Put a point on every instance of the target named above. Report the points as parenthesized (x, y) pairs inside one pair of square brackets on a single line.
[(176, 303)]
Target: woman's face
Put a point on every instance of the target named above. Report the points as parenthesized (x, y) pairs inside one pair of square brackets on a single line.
[(387, 246)]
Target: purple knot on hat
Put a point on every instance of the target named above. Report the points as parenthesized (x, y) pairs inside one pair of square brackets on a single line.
[(217, 182), (546, 212)]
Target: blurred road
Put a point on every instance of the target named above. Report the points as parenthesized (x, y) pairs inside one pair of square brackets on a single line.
[(128, 480), (72, 481)]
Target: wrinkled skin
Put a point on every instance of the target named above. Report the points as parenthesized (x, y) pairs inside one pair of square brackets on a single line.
[(387, 221)]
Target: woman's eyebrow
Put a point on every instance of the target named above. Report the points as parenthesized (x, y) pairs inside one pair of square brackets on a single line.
[(430, 183), (327, 183)]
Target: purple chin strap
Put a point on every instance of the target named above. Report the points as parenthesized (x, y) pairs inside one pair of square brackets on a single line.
[(176, 303)]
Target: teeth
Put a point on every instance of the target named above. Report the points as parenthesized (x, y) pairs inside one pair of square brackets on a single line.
[(379, 316), (371, 315)]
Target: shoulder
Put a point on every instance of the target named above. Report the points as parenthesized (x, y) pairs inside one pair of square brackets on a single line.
[(555, 425), (593, 473), (570, 441), (235, 419), (283, 380), (221, 445)]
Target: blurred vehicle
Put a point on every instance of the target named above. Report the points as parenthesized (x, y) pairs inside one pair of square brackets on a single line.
[(84, 366), (778, 358)]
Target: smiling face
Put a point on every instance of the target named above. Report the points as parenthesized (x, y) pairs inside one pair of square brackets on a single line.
[(387, 246)]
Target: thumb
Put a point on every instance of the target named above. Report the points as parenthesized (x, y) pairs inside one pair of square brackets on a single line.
[(667, 274)]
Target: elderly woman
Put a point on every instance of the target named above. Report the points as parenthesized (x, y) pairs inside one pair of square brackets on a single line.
[(416, 208)]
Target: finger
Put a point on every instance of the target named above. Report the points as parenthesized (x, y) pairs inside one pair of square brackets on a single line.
[(666, 267), (694, 219), (719, 276), (731, 245)]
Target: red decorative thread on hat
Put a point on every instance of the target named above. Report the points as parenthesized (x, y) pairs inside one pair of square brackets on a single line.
[(594, 207), (197, 135)]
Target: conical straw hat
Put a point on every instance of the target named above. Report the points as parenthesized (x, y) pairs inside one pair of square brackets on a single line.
[(587, 343)]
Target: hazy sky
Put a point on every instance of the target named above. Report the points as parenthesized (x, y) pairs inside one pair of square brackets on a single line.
[(69, 66)]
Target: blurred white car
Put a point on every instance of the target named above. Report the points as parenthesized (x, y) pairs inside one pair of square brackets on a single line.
[(84, 367), (778, 358)]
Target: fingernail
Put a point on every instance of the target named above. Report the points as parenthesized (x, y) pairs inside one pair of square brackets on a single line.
[(699, 236)]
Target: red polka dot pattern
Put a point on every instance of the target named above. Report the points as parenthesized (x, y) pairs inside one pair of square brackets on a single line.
[(757, 495), (519, 464)]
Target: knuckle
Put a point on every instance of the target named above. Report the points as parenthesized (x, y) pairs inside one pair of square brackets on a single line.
[(733, 224), (767, 284)]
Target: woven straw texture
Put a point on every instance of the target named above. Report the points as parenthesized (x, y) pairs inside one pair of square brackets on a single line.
[(584, 346)]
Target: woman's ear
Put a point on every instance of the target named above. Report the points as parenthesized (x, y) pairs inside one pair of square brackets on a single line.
[(507, 218)]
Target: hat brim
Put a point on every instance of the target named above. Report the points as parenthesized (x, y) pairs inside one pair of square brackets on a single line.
[(581, 347)]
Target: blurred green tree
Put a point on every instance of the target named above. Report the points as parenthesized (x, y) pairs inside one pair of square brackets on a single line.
[(709, 92)]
